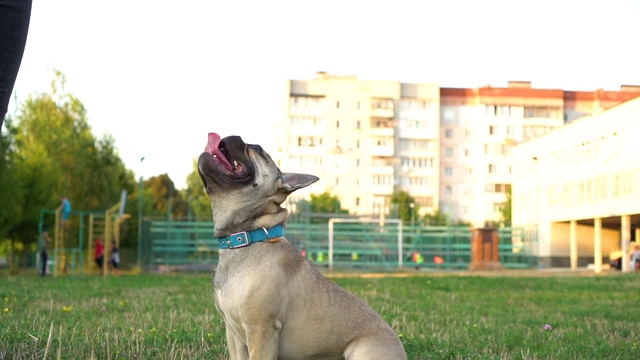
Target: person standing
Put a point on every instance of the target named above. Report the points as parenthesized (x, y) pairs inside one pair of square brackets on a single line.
[(99, 255), (635, 258), (115, 258), (15, 16), (65, 206), (44, 252)]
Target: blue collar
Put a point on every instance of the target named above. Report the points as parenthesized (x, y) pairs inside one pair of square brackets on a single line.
[(245, 238)]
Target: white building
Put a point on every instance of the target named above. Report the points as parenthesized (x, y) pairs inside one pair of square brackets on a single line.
[(580, 186), (478, 128), (363, 138), (417, 134)]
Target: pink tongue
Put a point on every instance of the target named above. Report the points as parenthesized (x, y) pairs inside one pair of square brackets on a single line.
[(212, 148), (212, 144)]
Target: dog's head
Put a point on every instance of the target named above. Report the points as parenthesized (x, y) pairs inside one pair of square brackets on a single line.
[(244, 185)]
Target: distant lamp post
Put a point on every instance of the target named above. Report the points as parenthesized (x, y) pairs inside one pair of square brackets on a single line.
[(140, 190), (413, 214)]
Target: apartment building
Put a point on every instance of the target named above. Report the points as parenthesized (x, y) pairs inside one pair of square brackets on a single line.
[(364, 139), (417, 133), (580, 187), (450, 148), (479, 126), (578, 104)]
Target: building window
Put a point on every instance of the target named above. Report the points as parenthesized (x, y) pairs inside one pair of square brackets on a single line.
[(448, 133), (542, 112), (337, 124), (358, 122), (467, 152), (510, 130), (417, 144), (492, 168), (497, 188), (309, 141), (337, 104), (357, 201), (448, 152), (492, 129), (448, 190), (448, 115), (448, 170), (381, 104), (416, 163), (382, 180)]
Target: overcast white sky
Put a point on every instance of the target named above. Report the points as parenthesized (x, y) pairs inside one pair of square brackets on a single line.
[(159, 75)]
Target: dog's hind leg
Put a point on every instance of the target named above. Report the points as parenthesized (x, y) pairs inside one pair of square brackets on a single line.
[(376, 350)]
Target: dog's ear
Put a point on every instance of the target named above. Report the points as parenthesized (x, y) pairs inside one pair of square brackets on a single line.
[(292, 181)]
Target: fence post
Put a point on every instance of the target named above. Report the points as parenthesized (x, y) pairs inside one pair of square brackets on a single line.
[(485, 250)]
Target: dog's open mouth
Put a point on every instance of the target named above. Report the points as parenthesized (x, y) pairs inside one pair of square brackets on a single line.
[(222, 155)]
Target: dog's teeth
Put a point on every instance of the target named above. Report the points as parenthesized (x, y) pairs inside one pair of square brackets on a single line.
[(235, 164), (215, 156)]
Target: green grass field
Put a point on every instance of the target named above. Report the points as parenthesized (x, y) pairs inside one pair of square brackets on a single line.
[(437, 316)]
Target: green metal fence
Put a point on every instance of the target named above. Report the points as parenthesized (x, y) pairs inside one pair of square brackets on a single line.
[(190, 245)]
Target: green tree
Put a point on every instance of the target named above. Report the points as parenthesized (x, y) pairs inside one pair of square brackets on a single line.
[(505, 210), (10, 194), (197, 196), (318, 209), (53, 154), (163, 194), (325, 203), (10, 189), (438, 218), (405, 206)]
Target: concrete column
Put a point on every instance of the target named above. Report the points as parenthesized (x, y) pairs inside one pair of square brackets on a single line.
[(597, 245), (573, 244), (625, 240)]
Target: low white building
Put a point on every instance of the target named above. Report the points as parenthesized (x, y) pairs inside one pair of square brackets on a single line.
[(580, 186)]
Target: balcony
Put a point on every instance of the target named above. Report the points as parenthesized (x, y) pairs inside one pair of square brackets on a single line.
[(382, 150), (305, 129), (305, 150), (381, 131), (381, 170), (418, 133), (382, 112), (382, 189)]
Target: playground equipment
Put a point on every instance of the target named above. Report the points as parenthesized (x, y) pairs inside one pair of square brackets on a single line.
[(67, 253), (113, 221)]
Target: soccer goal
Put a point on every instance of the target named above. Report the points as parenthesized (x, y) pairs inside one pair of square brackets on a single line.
[(362, 242)]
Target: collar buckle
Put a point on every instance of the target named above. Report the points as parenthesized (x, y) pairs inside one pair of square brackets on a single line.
[(238, 240)]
